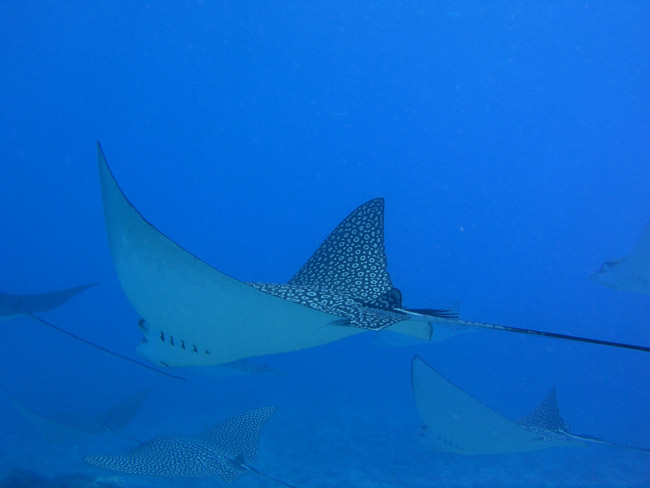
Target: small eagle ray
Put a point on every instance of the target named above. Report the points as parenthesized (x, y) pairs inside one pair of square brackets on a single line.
[(12, 305), (224, 451), (457, 422), (113, 419), (194, 315), (631, 273)]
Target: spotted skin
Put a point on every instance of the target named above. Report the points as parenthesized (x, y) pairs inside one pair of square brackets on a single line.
[(546, 420), (346, 273), (352, 260), (222, 451), (325, 300)]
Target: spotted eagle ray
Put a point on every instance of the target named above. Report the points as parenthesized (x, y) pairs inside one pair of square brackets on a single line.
[(224, 451), (194, 315), (12, 305), (456, 422), (631, 273), (113, 419)]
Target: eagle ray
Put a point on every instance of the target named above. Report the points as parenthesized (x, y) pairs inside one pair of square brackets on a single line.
[(114, 419), (456, 422), (194, 315), (225, 451), (631, 273)]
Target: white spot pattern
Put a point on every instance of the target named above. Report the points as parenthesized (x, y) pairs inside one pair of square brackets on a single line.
[(346, 273), (217, 452), (546, 420), (325, 300), (351, 260)]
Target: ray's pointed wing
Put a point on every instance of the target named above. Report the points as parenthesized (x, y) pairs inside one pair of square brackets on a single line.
[(41, 302), (458, 423), (352, 259), (196, 315), (545, 417), (238, 437)]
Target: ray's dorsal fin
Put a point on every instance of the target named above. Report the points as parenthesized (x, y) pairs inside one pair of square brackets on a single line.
[(545, 417), (352, 259)]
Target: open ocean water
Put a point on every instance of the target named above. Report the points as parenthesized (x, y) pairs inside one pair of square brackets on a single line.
[(511, 141)]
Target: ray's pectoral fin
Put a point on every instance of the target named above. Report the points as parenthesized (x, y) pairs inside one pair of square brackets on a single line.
[(188, 303), (41, 302), (225, 451)]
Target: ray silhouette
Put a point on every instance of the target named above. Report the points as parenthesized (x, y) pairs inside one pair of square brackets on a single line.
[(456, 422), (631, 273)]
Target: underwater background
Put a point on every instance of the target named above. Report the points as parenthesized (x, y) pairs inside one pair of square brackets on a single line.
[(511, 141)]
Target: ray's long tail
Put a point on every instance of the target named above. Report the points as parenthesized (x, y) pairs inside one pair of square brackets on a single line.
[(97, 346)]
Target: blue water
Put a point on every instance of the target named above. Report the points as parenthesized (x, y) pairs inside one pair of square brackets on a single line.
[(511, 142)]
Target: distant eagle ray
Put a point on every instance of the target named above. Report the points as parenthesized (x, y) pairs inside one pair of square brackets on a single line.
[(631, 273), (12, 305), (194, 315), (224, 451), (114, 419), (457, 422)]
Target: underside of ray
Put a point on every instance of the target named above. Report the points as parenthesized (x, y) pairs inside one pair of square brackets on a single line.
[(196, 315), (631, 273), (41, 302), (458, 423)]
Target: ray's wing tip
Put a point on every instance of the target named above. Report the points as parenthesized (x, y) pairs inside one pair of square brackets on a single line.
[(95, 460), (265, 411)]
